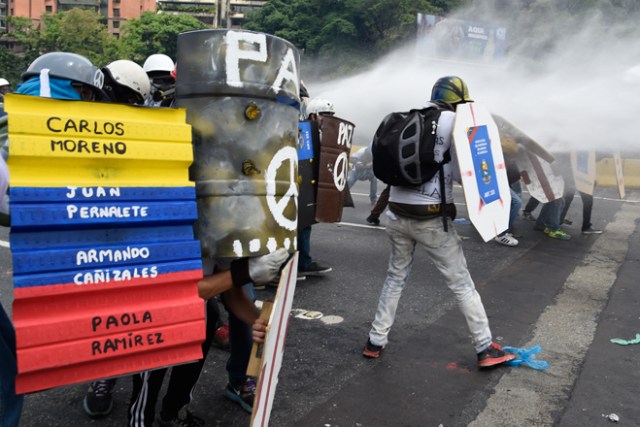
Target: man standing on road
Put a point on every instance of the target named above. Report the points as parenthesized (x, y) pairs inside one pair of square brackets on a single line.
[(415, 217)]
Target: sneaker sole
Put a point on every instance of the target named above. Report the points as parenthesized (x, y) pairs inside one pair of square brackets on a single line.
[(316, 273), (371, 354), (237, 399), (487, 363)]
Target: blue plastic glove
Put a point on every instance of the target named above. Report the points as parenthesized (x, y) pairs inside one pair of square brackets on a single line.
[(527, 357)]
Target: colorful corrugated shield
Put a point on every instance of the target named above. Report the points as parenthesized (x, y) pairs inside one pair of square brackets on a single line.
[(105, 263)]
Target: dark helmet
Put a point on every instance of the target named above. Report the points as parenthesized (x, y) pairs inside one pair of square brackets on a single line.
[(66, 65), (451, 89)]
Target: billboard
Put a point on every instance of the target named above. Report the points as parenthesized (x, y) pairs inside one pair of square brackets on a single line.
[(457, 39)]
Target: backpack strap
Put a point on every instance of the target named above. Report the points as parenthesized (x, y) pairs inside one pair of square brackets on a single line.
[(443, 198), (443, 195)]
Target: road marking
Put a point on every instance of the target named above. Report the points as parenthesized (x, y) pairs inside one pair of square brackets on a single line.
[(4, 244), (565, 330)]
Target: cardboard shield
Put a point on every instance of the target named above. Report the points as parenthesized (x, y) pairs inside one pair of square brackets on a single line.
[(539, 178), (240, 90), (617, 161), (105, 263), (308, 154), (509, 132), (333, 167), (583, 164), (482, 169), (266, 359)]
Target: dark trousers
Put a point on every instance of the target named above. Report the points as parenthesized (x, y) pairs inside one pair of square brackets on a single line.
[(147, 384), (10, 402), (587, 206)]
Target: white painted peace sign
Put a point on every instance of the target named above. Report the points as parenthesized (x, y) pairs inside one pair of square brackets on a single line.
[(276, 207), (340, 171)]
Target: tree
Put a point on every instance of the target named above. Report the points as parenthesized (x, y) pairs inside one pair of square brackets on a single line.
[(156, 33), (79, 31), (350, 32)]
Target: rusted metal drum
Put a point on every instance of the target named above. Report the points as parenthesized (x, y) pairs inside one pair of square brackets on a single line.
[(333, 165), (240, 90)]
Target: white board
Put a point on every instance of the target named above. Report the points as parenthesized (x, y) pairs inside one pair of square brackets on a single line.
[(617, 161), (482, 169), (583, 164), (539, 178), (273, 348)]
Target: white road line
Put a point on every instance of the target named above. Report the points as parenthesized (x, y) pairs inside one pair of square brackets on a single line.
[(4, 244), (565, 330)]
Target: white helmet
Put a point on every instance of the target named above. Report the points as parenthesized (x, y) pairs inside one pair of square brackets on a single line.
[(129, 74), (319, 105), (158, 62), (4, 82)]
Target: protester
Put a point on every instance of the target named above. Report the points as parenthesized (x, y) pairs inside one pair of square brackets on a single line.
[(315, 110), (569, 193), (362, 170), (513, 175), (10, 402), (125, 82), (5, 88), (221, 277), (416, 217), (159, 68)]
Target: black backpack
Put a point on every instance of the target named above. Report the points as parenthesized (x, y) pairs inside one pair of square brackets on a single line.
[(403, 147)]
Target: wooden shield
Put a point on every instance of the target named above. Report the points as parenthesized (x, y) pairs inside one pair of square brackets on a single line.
[(482, 169), (583, 164), (333, 167), (539, 178)]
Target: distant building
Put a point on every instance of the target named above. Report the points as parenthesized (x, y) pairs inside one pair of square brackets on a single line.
[(214, 13), (3, 16), (114, 11)]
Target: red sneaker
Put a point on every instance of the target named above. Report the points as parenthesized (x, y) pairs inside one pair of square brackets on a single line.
[(493, 355), (372, 351)]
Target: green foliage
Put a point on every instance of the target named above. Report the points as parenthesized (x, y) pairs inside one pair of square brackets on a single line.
[(156, 33), (12, 66)]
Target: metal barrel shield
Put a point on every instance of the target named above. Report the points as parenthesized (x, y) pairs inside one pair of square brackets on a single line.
[(240, 90), (333, 167)]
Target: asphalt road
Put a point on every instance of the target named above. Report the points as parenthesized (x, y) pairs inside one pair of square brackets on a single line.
[(569, 297)]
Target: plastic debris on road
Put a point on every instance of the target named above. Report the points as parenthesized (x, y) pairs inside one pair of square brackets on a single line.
[(612, 417), (620, 341), (527, 357)]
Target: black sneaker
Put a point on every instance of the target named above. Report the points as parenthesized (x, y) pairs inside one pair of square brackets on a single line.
[(373, 220), (493, 355), (98, 401), (372, 351), (528, 216), (314, 269), (243, 395), (184, 418)]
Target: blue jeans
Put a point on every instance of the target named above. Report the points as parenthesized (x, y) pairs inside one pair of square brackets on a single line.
[(516, 204), (304, 247), (10, 402), (364, 174), (445, 249), (549, 216)]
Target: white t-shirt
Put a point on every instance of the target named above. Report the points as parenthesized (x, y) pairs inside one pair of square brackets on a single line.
[(429, 192)]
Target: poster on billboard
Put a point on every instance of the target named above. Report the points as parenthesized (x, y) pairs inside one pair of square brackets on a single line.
[(456, 39)]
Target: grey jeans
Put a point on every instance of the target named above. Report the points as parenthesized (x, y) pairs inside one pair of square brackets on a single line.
[(445, 249)]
